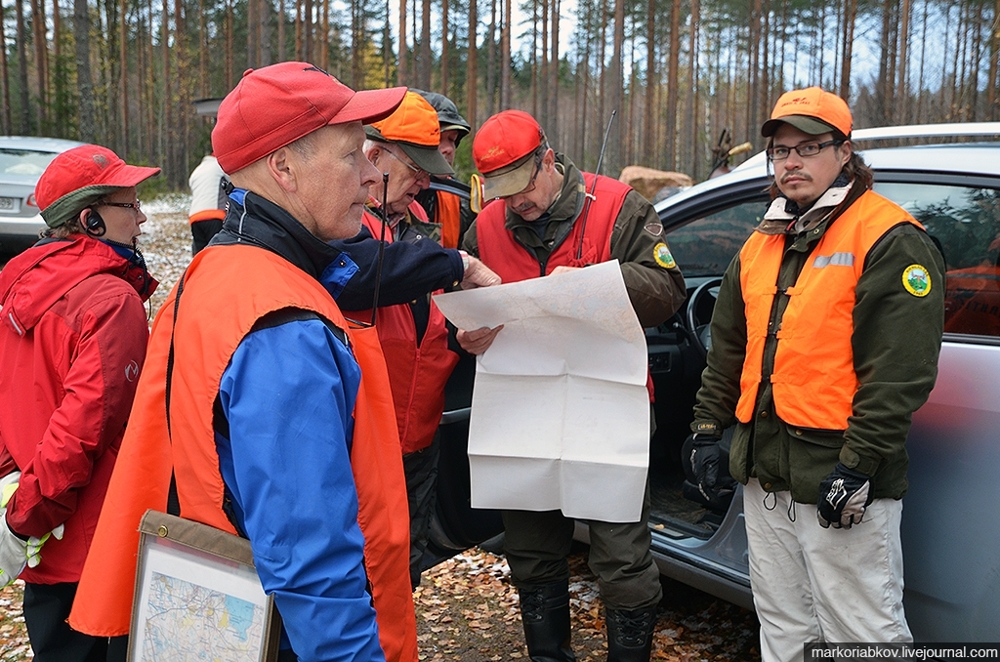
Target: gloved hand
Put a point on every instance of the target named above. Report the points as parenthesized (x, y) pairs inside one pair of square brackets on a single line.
[(15, 551), (706, 461), (843, 497), (477, 274)]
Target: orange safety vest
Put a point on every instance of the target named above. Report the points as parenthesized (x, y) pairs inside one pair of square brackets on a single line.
[(247, 282), (449, 215), (502, 253), (813, 380), (419, 373)]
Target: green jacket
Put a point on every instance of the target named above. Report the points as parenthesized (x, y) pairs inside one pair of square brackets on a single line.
[(656, 291), (896, 341)]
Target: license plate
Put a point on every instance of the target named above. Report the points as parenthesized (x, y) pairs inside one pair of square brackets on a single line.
[(8, 204)]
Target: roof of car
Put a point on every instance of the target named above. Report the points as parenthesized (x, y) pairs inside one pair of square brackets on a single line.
[(943, 155), (38, 144)]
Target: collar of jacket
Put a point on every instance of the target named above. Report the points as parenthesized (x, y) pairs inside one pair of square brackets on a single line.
[(262, 223), (783, 216)]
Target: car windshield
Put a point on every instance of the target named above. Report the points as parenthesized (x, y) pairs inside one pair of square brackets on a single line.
[(25, 162)]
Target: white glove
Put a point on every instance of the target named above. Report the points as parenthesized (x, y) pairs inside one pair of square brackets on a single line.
[(477, 274), (15, 552)]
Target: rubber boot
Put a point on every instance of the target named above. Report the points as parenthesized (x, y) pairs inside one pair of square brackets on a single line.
[(545, 616), (630, 634)]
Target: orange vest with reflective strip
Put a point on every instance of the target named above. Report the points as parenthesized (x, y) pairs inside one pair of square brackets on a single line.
[(813, 381), (245, 283), (419, 373), (502, 253)]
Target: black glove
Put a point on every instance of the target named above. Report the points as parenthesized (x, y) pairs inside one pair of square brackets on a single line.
[(706, 459), (843, 497)]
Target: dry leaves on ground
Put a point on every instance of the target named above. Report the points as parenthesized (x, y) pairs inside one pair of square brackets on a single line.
[(467, 610)]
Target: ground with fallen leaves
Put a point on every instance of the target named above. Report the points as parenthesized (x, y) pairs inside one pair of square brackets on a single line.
[(467, 609)]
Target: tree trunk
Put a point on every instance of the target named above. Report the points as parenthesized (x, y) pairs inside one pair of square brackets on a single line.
[(41, 61), (673, 82), (425, 61), (123, 86), (230, 57), (902, 94), (445, 56), (168, 134), (991, 79), (505, 61), (616, 94), (492, 78), (81, 30), (282, 19), (553, 84), (6, 123), (202, 50), (472, 68), (183, 157), (403, 68), (649, 117), (693, 129), (850, 15)]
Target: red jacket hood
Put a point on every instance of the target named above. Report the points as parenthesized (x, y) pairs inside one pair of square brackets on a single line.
[(36, 279)]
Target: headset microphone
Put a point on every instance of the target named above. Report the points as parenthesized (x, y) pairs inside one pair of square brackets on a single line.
[(95, 224)]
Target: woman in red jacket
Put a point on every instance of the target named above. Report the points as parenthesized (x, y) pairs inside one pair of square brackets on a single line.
[(73, 334)]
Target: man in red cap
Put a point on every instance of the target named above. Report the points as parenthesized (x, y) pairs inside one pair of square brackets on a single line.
[(72, 343), (263, 413), (547, 215), (825, 340)]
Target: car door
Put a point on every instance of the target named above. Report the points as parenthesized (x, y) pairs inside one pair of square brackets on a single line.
[(951, 525)]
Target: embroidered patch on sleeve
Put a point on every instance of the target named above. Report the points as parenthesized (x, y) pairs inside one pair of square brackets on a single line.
[(916, 280), (663, 257)]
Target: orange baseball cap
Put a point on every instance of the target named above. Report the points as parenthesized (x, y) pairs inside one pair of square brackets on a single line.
[(812, 110), (415, 128), (503, 151)]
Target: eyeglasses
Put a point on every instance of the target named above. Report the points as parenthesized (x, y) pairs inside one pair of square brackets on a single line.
[(419, 173), (137, 205), (534, 175), (805, 150)]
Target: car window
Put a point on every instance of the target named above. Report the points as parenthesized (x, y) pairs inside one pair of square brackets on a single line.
[(706, 246), (27, 162), (965, 224)]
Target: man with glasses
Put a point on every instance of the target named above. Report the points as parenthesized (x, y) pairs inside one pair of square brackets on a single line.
[(546, 215), (410, 328), (825, 340), (72, 342), (448, 210)]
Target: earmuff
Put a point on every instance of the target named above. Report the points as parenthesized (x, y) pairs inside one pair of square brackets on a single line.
[(95, 224)]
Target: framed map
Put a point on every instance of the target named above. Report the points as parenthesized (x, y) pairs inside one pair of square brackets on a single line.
[(198, 596)]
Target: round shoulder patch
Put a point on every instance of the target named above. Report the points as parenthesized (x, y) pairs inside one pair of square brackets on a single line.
[(916, 280), (663, 257)]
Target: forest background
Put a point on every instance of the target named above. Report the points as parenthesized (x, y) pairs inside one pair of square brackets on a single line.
[(124, 73)]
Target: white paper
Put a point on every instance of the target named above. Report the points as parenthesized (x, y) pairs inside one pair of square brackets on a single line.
[(560, 411)]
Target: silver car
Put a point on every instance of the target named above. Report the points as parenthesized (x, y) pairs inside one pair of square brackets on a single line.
[(951, 515), (22, 162)]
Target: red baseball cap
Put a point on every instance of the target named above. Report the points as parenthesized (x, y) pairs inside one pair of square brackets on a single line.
[(78, 177), (276, 105), (812, 110), (503, 150)]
